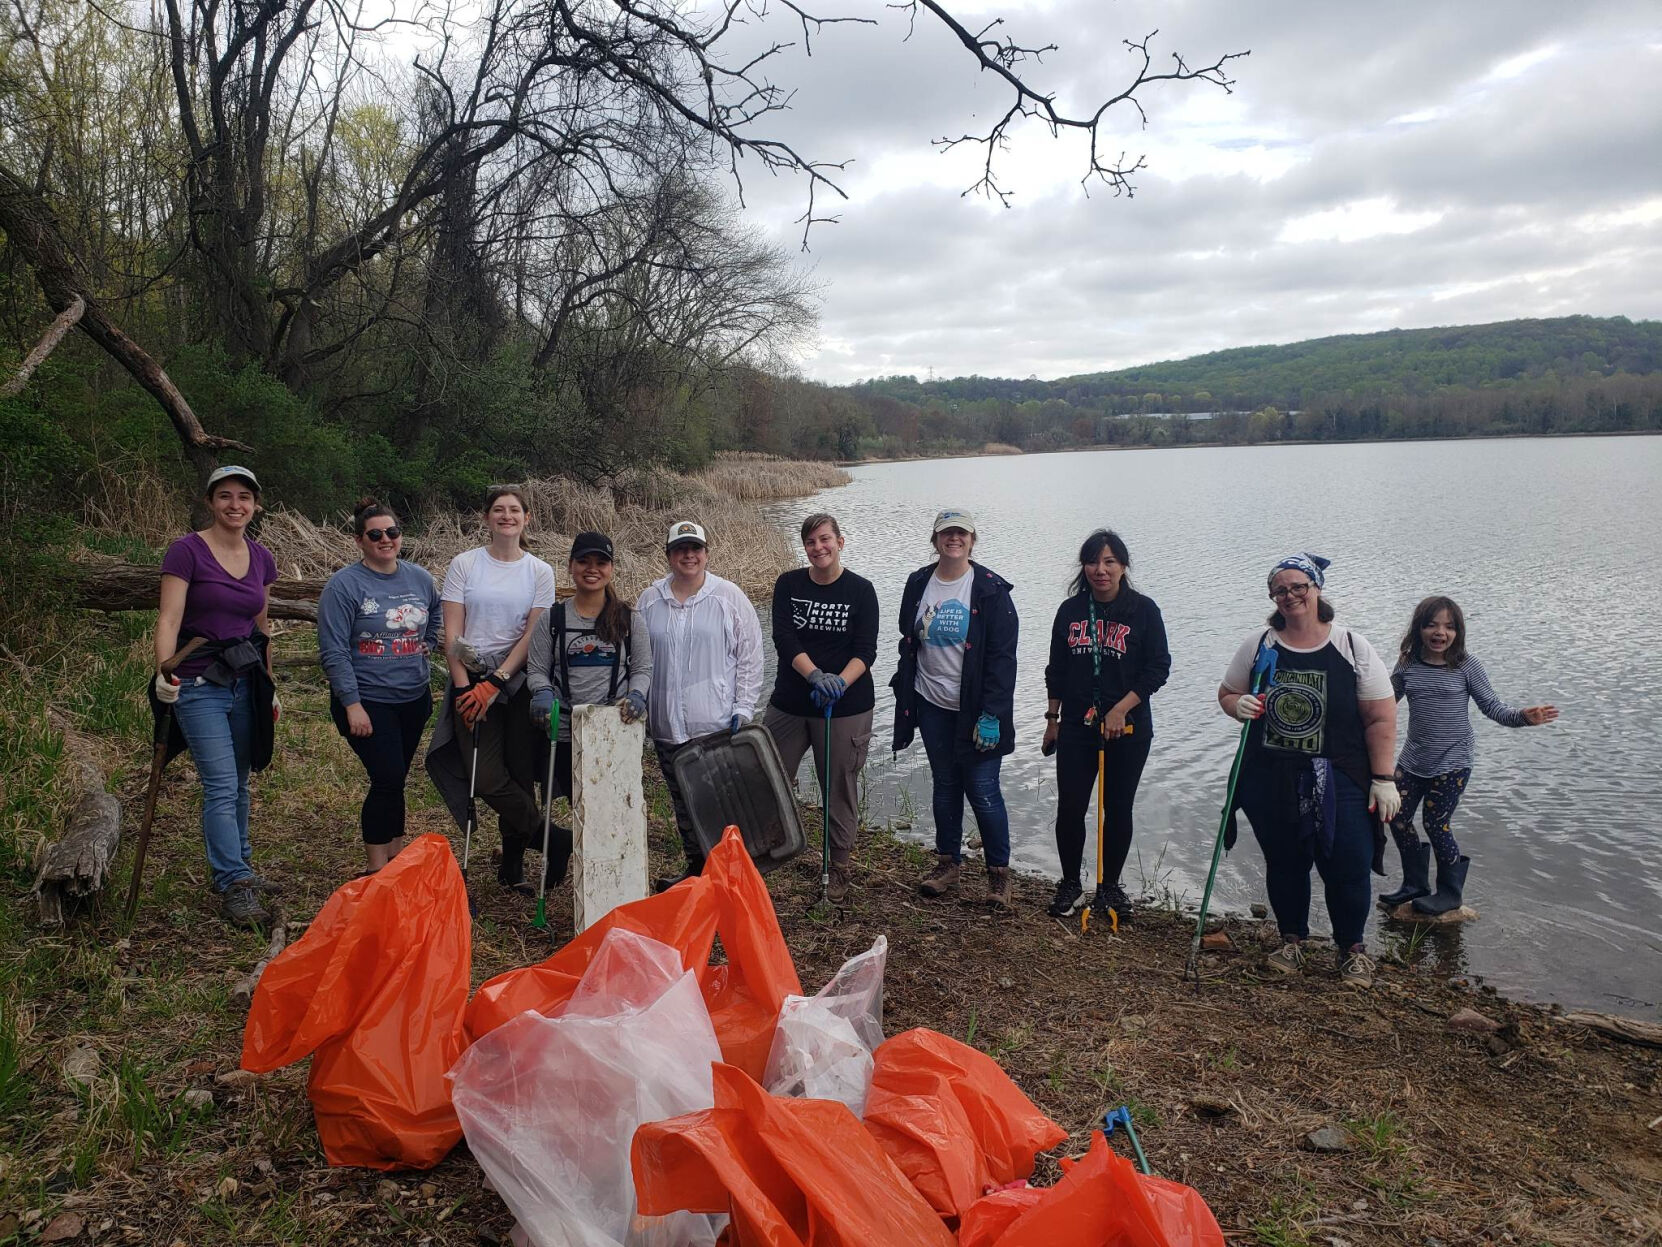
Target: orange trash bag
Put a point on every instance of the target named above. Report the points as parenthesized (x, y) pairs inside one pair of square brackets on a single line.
[(792, 1173), (952, 1119), (1101, 1199), (374, 993), (744, 995)]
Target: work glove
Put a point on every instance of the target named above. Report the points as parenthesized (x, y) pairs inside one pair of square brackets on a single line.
[(986, 733), (542, 706), (1248, 707), (825, 688), (735, 723), (474, 702), (276, 708), (167, 689), (633, 706), (1384, 801)]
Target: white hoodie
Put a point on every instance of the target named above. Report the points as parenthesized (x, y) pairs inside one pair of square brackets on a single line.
[(706, 659)]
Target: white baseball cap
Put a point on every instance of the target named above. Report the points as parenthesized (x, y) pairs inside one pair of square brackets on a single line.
[(683, 531), (954, 519), (229, 471)]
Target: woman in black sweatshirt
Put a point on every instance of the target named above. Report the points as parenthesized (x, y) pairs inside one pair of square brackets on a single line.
[(1108, 657)]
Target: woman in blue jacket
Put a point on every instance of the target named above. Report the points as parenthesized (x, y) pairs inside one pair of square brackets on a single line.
[(955, 687)]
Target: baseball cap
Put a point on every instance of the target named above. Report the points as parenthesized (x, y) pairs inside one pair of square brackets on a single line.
[(591, 543), (954, 519), (683, 531), (227, 472)]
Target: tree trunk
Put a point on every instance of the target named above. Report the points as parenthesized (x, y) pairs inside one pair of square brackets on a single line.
[(78, 864)]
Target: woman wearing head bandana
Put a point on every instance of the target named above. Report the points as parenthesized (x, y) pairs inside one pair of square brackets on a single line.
[(1316, 778)]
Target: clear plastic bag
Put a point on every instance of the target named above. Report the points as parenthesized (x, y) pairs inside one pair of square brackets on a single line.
[(822, 1049), (550, 1105)]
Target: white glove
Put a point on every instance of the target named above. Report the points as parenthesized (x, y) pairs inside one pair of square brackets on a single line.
[(1248, 707), (167, 689), (1384, 800)]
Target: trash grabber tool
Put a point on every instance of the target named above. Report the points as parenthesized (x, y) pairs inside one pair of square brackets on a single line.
[(472, 822), (1263, 672), (158, 759), (825, 816), (540, 919), (1122, 1117)]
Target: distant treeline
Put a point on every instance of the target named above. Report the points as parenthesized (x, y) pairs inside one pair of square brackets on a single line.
[(1571, 375)]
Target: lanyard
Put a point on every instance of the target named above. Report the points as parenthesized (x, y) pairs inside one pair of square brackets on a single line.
[(1096, 660)]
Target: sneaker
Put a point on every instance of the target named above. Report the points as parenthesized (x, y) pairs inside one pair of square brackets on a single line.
[(1356, 969), (943, 878), (240, 906), (1288, 959), (1068, 901), (838, 888), (998, 887), (1110, 896)]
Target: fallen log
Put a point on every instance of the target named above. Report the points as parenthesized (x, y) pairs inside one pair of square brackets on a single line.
[(112, 585), (242, 991), (78, 864), (1628, 1030)]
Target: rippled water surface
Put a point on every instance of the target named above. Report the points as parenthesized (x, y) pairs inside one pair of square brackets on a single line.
[(1549, 545)]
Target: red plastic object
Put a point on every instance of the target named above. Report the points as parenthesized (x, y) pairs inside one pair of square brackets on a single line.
[(1101, 1199), (374, 993), (744, 995), (952, 1119), (792, 1173)]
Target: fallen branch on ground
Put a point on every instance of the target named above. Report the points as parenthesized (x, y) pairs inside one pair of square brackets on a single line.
[(1629, 1030), (78, 863), (242, 991)]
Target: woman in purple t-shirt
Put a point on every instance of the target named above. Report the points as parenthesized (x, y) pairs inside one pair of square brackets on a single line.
[(215, 585)]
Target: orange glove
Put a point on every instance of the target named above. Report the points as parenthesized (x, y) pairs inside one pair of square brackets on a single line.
[(474, 701)]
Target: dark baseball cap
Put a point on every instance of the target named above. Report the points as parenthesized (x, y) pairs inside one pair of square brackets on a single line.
[(592, 543)]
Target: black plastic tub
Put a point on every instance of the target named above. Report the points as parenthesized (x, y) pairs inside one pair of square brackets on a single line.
[(738, 780)]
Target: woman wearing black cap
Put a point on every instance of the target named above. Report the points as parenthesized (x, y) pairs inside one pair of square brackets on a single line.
[(594, 648), (215, 586)]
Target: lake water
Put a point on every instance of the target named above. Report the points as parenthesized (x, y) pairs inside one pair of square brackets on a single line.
[(1548, 545)]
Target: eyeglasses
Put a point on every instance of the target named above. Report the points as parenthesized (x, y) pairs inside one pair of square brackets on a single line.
[(1283, 592), (387, 534)]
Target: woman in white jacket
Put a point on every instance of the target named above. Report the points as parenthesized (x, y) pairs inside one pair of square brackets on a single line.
[(707, 664)]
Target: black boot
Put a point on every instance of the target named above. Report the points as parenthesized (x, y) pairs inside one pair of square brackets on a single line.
[(1416, 876), (1451, 883), (510, 871)]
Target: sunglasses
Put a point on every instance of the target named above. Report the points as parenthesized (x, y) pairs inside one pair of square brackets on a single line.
[(388, 534), (1291, 591)]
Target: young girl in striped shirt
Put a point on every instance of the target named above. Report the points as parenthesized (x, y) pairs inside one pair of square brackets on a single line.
[(1436, 675)]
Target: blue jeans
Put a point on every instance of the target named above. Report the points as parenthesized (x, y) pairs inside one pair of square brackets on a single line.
[(218, 724), (957, 776), (1346, 873)]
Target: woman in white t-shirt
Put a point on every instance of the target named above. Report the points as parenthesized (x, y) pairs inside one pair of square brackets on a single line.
[(1318, 762), (955, 686), (492, 599)]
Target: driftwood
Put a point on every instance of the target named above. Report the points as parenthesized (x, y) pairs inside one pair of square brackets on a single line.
[(48, 343), (1406, 912), (112, 585), (1629, 1030), (242, 991), (78, 864)]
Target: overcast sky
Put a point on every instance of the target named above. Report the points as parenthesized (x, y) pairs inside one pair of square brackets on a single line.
[(1377, 166)]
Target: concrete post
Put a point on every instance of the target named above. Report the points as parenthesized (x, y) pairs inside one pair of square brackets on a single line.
[(608, 814)]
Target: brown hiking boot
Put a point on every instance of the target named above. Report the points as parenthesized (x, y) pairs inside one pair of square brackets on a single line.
[(943, 878), (998, 887), (838, 888)]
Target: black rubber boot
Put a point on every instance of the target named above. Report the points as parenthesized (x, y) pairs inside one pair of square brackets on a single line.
[(1416, 877), (1451, 885), (510, 871)]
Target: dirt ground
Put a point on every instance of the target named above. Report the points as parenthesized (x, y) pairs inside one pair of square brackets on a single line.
[(1540, 1133)]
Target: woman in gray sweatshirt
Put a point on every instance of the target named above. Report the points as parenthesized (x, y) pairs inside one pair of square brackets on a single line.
[(377, 621)]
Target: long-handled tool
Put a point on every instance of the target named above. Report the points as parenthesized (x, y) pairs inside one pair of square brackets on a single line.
[(1101, 801), (540, 919), (825, 815), (472, 822), (1122, 1117), (158, 759), (1263, 672)]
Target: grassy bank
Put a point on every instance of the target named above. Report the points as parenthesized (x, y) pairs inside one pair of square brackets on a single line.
[(1537, 1134)]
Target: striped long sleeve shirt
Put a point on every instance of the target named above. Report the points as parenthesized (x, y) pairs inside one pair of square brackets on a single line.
[(1440, 736)]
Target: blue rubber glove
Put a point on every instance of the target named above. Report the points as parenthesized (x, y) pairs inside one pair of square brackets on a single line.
[(986, 733), (825, 688), (633, 706), (735, 723), (542, 705)]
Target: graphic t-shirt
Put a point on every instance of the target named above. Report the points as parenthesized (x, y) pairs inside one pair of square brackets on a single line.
[(941, 628), (218, 605), (596, 668), (375, 630), (496, 596), (833, 624)]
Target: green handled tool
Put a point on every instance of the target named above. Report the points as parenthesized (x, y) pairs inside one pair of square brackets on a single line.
[(540, 920)]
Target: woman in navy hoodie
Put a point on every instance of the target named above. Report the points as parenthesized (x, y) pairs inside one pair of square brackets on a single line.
[(956, 688), (1108, 657)]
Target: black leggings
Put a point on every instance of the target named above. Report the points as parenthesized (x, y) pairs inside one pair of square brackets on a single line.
[(1123, 760), (386, 753)]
